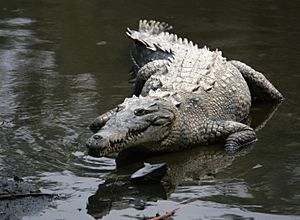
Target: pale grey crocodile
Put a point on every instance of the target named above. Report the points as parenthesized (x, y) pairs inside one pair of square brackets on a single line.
[(187, 96)]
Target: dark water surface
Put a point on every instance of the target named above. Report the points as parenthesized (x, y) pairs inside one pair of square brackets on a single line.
[(64, 62)]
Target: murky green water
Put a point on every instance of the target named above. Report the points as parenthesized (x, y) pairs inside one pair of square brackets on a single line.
[(64, 62)]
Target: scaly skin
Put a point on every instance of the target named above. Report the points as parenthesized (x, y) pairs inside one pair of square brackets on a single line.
[(161, 124), (188, 96)]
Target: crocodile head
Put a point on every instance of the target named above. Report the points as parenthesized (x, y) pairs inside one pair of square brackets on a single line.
[(138, 121)]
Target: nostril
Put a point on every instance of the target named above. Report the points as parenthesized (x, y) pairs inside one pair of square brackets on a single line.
[(98, 137)]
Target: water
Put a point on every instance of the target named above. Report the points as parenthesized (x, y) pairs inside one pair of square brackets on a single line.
[(64, 62)]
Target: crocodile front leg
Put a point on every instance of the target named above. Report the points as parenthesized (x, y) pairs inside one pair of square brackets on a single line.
[(261, 88), (151, 68), (237, 135), (100, 121), (206, 131)]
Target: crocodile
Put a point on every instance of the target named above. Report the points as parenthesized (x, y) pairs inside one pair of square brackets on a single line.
[(183, 96), (193, 167)]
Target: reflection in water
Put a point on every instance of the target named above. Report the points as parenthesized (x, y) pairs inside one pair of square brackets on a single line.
[(64, 62), (189, 168)]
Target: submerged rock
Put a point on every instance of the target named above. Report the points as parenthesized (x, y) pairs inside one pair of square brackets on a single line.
[(149, 174)]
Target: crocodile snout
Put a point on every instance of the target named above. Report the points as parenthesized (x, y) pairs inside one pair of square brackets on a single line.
[(96, 144)]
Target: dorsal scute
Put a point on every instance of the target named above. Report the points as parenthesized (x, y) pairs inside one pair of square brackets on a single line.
[(159, 47), (218, 58), (153, 27), (161, 28), (154, 35), (167, 95), (174, 39)]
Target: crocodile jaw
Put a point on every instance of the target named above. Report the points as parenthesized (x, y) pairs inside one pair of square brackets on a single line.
[(99, 145)]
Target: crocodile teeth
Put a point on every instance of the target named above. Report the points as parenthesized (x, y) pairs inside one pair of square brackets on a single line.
[(119, 143)]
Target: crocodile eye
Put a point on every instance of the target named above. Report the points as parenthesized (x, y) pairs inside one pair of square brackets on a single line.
[(140, 112)]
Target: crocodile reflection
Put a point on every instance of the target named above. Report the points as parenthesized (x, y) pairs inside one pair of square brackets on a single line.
[(190, 167)]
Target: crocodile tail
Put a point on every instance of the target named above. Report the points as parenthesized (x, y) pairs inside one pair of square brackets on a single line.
[(147, 47), (153, 27), (146, 29), (150, 28)]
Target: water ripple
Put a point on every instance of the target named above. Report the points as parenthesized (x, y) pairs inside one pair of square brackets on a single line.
[(17, 21)]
